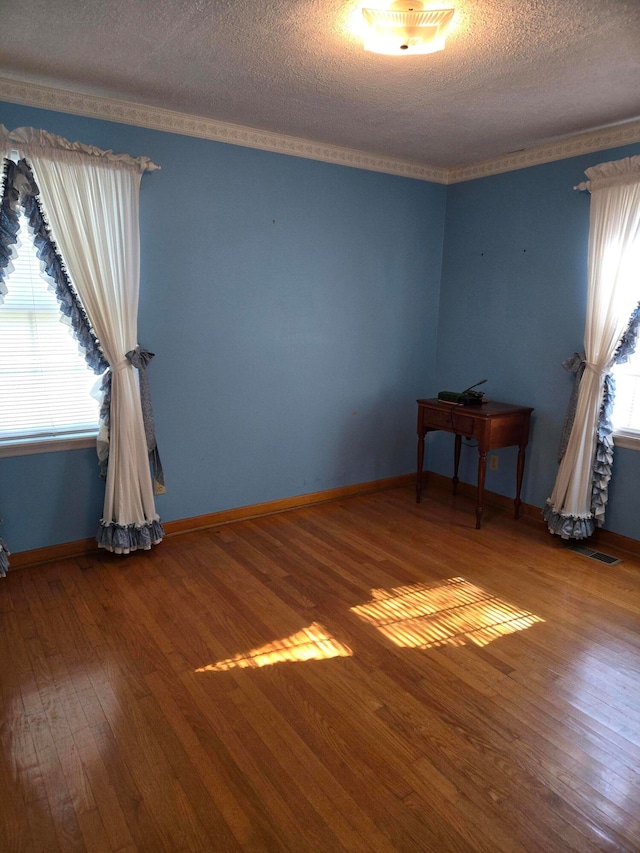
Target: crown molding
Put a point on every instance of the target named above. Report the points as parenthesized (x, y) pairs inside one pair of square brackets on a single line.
[(125, 112), (154, 118), (583, 143)]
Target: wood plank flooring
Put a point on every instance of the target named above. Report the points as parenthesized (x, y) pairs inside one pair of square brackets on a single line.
[(366, 675)]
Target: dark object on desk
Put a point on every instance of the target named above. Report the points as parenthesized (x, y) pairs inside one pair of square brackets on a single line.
[(468, 397), (493, 424), (462, 399)]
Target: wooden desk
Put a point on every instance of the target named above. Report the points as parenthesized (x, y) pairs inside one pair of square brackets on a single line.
[(492, 424)]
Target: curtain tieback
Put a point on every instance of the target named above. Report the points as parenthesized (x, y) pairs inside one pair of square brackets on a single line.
[(596, 369), (574, 364), (140, 358), (119, 366)]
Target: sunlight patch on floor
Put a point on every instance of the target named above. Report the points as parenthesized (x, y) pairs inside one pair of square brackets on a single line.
[(454, 612), (312, 643)]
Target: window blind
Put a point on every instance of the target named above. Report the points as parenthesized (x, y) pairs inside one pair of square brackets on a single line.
[(626, 405), (45, 383)]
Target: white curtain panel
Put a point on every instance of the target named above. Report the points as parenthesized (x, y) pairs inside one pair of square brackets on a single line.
[(90, 200), (613, 264), (6, 143)]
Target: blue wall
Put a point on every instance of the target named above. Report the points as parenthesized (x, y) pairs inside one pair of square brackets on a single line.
[(512, 308), (297, 309), (292, 306)]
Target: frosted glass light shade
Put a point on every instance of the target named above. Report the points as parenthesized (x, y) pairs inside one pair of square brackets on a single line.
[(406, 31)]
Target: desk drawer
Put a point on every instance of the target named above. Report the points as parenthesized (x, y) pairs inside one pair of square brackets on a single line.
[(453, 420)]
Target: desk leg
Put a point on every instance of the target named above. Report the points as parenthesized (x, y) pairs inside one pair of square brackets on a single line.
[(420, 464), (456, 462), (519, 476), (482, 468)]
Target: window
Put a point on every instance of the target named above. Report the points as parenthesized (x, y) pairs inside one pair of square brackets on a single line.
[(45, 384), (626, 406)]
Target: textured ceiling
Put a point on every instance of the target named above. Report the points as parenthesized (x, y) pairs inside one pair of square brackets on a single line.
[(515, 73)]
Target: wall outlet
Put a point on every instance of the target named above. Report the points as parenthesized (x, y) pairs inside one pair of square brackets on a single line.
[(493, 462)]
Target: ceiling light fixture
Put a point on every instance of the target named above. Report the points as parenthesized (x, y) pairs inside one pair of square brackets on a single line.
[(406, 28)]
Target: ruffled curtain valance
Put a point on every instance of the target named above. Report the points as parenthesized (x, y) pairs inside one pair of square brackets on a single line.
[(612, 174), (30, 139)]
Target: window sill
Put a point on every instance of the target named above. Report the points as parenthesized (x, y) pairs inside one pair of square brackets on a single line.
[(28, 446), (627, 439)]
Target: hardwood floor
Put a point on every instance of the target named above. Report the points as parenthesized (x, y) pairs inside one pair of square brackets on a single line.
[(366, 675)]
